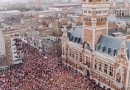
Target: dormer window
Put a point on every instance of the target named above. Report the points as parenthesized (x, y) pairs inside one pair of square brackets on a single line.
[(69, 34), (115, 52), (128, 53), (79, 40), (109, 51), (72, 38), (75, 39), (104, 49)]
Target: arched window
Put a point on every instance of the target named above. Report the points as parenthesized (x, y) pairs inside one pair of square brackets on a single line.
[(109, 51), (88, 46), (75, 39), (96, 63), (79, 40), (105, 68), (104, 49), (72, 38), (100, 66)]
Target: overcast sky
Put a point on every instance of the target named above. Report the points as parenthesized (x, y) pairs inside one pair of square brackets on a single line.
[(33, 0)]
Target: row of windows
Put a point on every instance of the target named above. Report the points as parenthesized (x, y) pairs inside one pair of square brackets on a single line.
[(98, 65), (88, 12), (76, 55), (97, 12), (104, 68)]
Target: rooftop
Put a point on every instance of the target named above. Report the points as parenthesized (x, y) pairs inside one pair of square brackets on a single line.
[(75, 34)]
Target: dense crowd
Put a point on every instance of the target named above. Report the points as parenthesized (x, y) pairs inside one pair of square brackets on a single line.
[(40, 73)]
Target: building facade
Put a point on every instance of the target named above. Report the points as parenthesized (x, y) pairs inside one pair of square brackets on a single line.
[(51, 46), (11, 48), (33, 38), (2, 50), (46, 45), (92, 50), (38, 4), (120, 8)]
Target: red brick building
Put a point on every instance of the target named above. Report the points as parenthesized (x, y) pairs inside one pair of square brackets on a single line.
[(94, 50)]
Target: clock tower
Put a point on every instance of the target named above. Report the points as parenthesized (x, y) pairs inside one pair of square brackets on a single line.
[(95, 14)]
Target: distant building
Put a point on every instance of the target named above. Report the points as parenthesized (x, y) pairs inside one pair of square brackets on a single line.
[(33, 38), (120, 7), (47, 45), (51, 46), (11, 48), (64, 7), (2, 50), (38, 4)]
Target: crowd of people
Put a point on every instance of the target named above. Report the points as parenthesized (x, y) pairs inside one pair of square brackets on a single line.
[(40, 73)]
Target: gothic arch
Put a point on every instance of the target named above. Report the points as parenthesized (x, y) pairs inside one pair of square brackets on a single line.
[(87, 45)]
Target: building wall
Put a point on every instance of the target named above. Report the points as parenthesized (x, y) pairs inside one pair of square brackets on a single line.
[(120, 8), (109, 71), (87, 61), (2, 44), (13, 49)]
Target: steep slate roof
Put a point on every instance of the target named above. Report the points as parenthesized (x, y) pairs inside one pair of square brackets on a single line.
[(108, 44), (113, 44), (75, 34)]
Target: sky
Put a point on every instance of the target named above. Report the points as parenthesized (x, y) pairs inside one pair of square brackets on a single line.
[(33, 0)]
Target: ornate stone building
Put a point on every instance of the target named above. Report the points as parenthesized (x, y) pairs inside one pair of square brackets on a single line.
[(120, 7), (94, 50)]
